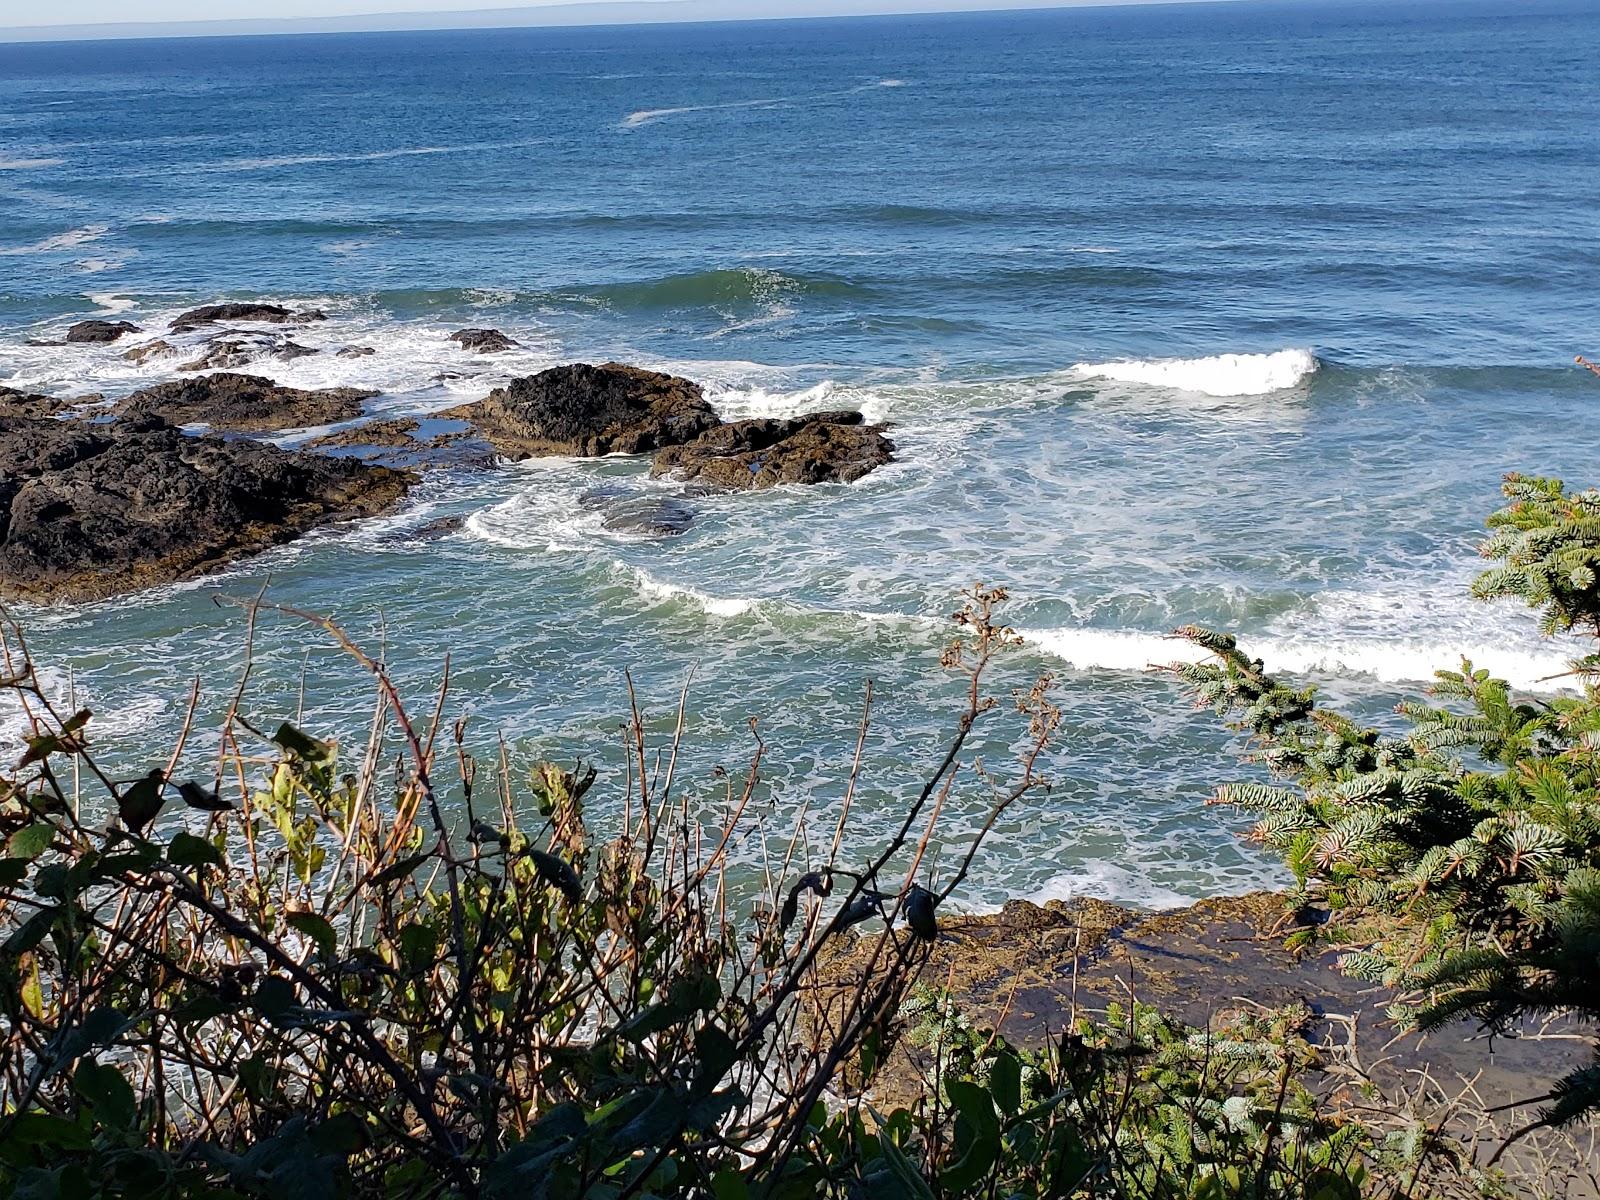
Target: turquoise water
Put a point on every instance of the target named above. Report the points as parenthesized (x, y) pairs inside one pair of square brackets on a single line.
[(1231, 314)]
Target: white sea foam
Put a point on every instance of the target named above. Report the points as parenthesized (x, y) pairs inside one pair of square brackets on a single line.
[(69, 240), (29, 164), (659, 591), (1221, 375), (1112, 882), (645, 115), (111, 303), (1389, 660), (301, 160)]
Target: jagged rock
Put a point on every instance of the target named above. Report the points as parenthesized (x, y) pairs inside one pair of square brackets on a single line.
[(355, 352), (225, 352), (243, 403), (483, 341), (589, 411), (624, 510), (17, 403), (149, 350), (88, 511), (211, 314), (100, 331), (825, 447)]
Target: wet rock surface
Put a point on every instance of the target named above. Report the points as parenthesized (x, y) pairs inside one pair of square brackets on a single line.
[(825, 447), (213, 314), (587, 411), (17, 403), (88, 511), (483, 341), (98, 331), (625, 510), (1029, 971), (355, 352), (227, 351), (243, 403), (148, 350)]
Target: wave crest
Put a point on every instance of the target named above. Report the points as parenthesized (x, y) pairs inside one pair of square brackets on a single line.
[(1219, 375)]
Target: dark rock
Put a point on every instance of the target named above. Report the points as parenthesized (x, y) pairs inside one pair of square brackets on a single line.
[(437, 528), (243, 403), (826, 447), (15, 403), (149, 350), (589, 411), (211, 314), (374, 433), (629, 511), (100, 331), (226, 352), (88, 511), (484, 341), (355, 352)]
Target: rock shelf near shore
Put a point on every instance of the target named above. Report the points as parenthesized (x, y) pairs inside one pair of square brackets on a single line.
[(90, 511)]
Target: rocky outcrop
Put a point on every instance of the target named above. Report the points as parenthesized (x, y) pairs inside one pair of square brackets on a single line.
[(826, 447), (355, 352), (587, 411), (212, 314), (100, 331), (148, 350), (225, 352), (88, 511), (483, 341), (243, 403), (17, 403), (393, 433)]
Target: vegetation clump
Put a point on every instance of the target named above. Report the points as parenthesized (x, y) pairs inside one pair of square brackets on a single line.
[(1456, 857)]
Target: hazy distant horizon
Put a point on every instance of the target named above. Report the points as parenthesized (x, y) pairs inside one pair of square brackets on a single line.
[(87, 19)]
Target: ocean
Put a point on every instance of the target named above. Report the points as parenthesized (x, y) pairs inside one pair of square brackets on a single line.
[(1231, 314)]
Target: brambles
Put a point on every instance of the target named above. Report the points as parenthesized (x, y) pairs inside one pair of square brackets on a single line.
[(304, 971)]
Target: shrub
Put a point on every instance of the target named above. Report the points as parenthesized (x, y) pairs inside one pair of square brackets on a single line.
[(1464, 853), (311, 973)]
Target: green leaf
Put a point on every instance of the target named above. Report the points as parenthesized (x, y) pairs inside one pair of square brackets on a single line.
[(186, 850), (274, 996), (107, 1092), (318, 929), (52, 1133), (139, 803), (304, 747), (398, 870), (1005, 1081), (31, 932), (12, 871), (31, 840), (202, 798), (977, 1136)]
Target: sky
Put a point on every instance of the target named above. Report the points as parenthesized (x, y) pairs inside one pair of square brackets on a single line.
[(65, 14)]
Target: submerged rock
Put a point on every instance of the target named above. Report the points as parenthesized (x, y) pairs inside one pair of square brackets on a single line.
[(825, 447), (483, 341), (149, 350), (243, 403), (355, 352), (224, 352), (211, 314), (88, 511), (624, 510), (588, 411), (100, 331)]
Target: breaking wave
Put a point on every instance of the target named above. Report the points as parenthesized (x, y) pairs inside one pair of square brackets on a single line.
[(1220, 375)]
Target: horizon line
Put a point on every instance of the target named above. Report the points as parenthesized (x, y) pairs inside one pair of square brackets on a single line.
[(570, 15)]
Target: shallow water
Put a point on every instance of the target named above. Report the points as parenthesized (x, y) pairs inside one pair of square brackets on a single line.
[(1230, 315)]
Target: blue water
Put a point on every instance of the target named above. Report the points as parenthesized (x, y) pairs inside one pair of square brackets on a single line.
[(995, 231)]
